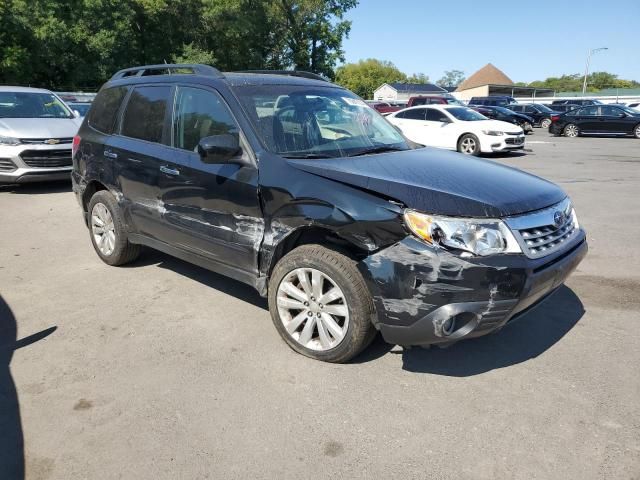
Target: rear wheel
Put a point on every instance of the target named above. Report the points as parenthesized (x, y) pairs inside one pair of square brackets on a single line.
[(320, 304), (571, 131), (545, 123), (108, 234), (469, 144)]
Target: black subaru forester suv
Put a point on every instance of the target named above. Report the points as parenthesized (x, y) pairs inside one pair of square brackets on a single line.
[(295, 186)]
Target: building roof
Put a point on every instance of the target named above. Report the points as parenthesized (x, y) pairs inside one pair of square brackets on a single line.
[(416, 87), (487, 75)]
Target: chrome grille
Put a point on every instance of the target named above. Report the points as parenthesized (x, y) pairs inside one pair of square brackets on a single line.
[(6, 165), (42, 141), (513, 133), (539, 234), (47, 158), (514, 141)]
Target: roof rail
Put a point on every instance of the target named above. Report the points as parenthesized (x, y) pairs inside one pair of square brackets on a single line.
[(291, 73), (195, 69)]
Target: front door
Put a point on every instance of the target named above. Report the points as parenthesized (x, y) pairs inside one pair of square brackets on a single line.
[(214, 207)]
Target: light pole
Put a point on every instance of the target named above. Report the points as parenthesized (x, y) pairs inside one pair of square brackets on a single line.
[(586, 71)]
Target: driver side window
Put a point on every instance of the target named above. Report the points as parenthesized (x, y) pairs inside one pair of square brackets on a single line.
[(198, 114)]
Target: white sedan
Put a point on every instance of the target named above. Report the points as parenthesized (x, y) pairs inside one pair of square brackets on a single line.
[(457, 128)]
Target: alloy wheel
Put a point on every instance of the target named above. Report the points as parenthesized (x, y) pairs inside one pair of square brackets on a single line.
[(103, 229), (637, 131), (571, 131), (545, 123), (313, 309), (468, 146)]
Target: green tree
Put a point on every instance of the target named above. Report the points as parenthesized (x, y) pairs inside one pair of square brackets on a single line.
[(451, 78), (80, 43), (418, 78), (367, 75)]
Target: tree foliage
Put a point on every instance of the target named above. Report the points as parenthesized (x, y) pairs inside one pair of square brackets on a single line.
[(451, 78), (367, 75), (80, 43), (595, 81)]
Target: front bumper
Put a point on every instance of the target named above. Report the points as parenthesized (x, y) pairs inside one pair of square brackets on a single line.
[(27, 163), (425, 295), (490, 143)]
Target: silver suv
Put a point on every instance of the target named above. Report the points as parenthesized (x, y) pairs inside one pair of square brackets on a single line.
[(36, 134)]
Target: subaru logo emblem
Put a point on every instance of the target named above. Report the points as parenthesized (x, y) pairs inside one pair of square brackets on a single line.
[(52, 141), (558, 218)]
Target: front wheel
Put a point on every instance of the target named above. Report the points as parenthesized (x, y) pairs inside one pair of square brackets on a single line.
[(320, 304), (469, 144), (545, 123), (636, 131), (571, 131)]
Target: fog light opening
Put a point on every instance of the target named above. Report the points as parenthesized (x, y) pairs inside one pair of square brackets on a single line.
[(449, 326)]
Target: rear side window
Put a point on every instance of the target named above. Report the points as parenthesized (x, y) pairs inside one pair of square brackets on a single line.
[(104, 109), (415, 114), (199, 114), (145, 113)]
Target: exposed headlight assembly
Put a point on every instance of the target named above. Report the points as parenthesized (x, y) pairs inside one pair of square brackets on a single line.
[(493, 133), (477, 236), (9, 141)]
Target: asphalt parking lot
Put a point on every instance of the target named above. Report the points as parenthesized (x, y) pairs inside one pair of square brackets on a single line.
[(165, 370)]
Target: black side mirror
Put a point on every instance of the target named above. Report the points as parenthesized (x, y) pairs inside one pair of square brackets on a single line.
[(219, 148)]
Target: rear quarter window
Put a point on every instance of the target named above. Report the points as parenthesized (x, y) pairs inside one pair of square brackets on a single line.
[(104, 109)]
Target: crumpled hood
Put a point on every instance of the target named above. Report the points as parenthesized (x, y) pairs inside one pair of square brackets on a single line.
[(39, 127), (441, 182)]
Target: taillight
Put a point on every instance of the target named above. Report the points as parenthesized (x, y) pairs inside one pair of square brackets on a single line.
[(75, 145), (555, 118)]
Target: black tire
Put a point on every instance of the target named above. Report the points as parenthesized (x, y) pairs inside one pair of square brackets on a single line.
[(545, 122), (636, 131), (571, 130), (123, 251), (341, 269), (463, 149)]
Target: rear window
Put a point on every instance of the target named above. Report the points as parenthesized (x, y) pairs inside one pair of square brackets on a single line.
[(144, 117), (102, 115)]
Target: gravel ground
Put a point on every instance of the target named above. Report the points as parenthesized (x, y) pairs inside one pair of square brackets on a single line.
[(164, 370)]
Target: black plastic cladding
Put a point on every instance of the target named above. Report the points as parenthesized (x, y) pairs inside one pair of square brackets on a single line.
[(232, 218)]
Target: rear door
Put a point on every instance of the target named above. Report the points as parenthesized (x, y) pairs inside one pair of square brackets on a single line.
[(141, 156), (588, 119)]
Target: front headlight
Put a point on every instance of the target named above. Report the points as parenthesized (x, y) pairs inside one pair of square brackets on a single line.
[(493, 133), (477, 236), (9, 141)]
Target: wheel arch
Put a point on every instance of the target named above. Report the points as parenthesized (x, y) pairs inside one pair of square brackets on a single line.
[(90, 190)]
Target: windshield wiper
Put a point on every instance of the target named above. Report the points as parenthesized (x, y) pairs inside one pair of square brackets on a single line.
[(378, 149), (307, 156)]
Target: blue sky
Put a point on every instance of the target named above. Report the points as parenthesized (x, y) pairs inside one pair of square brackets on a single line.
[(526, 40)]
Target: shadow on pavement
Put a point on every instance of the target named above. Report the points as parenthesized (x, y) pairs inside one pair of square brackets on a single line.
[(11, 439), (206, 277), (523, 339), (526, 338)]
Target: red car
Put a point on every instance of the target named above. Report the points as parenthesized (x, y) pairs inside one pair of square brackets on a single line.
[(383, 107)]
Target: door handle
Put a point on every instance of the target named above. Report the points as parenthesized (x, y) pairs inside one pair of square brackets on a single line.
[(110, 154), (169, 171)]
